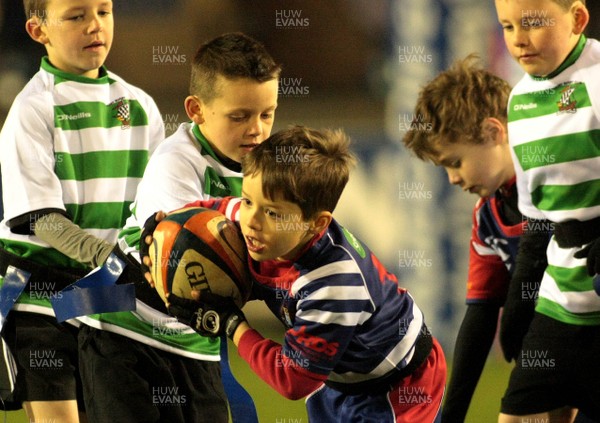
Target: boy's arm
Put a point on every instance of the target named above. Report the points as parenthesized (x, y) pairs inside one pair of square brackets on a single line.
[(472, 347), (65, 236), (265, 357), (519, 308)]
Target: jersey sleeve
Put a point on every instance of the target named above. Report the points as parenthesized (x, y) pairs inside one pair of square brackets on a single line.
[(28, 160), (169, 181), (488, 276), (229, 206), (281, 373)]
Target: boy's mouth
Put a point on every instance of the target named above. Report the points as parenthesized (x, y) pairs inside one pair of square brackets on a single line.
[(94, 45), (248, 146), (254, 245)]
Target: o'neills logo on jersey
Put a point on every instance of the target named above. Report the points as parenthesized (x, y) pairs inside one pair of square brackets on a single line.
[(527, 106), (80, 115), (121, 106), (567, 104)]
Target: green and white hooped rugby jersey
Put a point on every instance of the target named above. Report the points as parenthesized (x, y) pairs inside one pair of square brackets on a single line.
[(76, 144), (554, 132), (183, 169)]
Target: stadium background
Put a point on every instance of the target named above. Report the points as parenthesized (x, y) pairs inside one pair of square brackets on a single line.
[(353, 64)]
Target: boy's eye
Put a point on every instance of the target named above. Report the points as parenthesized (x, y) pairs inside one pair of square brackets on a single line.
[(246, 202), (507, 27), (237, 118), (267, 116), (272, 214), (455, 164)]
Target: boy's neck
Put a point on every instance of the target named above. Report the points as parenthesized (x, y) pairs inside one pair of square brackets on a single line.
[(225, 161), (49, 67)]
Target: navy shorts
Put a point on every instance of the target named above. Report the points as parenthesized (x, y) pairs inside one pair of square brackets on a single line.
[(127, 381), (559, 365), (45, 352)]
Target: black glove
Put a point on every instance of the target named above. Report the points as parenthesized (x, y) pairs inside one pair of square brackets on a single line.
[(132, 273), (519, 307), (149, 227), (212, 316), (592, 253)]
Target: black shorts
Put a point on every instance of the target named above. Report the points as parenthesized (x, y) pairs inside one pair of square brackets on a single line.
[(127, 381), (559, 365), (45, 352)]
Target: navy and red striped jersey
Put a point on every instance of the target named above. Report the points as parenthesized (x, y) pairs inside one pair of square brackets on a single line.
[(493, 250), (347, 319)]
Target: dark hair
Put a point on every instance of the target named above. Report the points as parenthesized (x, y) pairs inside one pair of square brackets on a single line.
[(304, 166), (232, 55)]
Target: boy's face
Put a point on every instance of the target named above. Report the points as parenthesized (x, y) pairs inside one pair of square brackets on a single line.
[(539, 34), (273, 229), (77, 34), (478, 168), (240, 117)]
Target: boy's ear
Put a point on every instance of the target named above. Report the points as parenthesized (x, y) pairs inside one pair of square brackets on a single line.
[(193, 108), (581, 17), (322, 221), (35, 29), (493, 129)]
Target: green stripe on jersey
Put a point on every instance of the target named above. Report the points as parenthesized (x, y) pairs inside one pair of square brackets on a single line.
[(559, 149), (567, 197), (221, 186), (557, 312), (101, 164), (99, 215), (93, 114), (548, 102), (575, 279), (39, 254)]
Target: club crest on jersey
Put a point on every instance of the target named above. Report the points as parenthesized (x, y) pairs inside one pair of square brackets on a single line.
[(121, 107), (567, 104)]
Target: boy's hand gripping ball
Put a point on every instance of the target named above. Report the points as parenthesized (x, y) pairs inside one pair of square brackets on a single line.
[(199, 249)]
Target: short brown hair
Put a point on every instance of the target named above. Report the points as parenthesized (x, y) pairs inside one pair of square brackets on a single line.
[(566, 4), (35, 8), (232, 55), (304, 166), (452, 107)]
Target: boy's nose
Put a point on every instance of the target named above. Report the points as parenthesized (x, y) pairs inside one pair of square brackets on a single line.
[(520, 37), (95, 24), (256, 127), (453, 177)]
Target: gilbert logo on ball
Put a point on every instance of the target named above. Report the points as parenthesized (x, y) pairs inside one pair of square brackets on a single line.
[(199, 249)]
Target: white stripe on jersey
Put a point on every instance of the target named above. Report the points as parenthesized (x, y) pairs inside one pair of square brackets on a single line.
[(100, 139), (101, 189), (523, 133), (404, 350), (335, 268), (330, 317), (482, 250), (573, 301)]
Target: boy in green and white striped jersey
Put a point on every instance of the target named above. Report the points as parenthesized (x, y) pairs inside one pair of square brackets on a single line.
[(231, 104), (73, 149), (554, 133)]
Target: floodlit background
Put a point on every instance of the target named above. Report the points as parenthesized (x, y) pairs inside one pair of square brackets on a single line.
[(352, 64)]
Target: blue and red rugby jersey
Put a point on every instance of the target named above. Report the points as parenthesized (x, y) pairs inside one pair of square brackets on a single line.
[(347, 319), (493, 249)]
